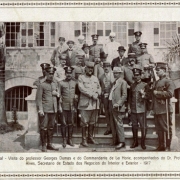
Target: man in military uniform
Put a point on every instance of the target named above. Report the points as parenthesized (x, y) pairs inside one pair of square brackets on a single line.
[(95, 50), (90, 91), (47, 106), (42, 78), (106, 81), (146, 61), (67, 88), (161, 105), (134, 47), (117, 97), (120, 60), (136, 107)]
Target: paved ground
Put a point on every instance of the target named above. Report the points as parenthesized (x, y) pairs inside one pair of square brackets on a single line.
[(14, 142)]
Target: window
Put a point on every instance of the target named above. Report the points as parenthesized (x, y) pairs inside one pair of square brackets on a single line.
[(124, 31), (30, 34), (16, 97), (164, 32)]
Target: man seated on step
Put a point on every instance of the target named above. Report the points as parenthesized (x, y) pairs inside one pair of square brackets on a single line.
[(136, 107)]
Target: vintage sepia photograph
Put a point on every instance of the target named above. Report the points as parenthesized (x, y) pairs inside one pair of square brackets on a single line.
[(89, 86)]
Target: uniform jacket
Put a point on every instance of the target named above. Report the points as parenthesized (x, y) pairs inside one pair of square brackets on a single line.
[(98, 70), (45, 101), (119, 93), (145, 59), (135, 48), (165, 88), (135, 100), (39, 81), (71, 58), (117, 62), (87, 87), (95, 50), (106, 82), (67, 90), (128, 74), (111, 50), (56, 53)]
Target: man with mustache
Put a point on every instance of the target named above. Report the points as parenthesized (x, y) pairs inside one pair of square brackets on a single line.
[(90, 91)]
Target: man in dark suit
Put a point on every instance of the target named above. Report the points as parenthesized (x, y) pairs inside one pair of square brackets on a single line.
[(117, 97), (120, 60), (162, 92), (47, 94), (71, 53), (87, 56)]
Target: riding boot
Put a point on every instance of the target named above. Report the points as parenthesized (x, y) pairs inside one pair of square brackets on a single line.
[(135, 137), (49, 138), (168, 142), (70, 132), (91, 140), (84, 141), (161, 146), (63, 132), (43, 135), (143, 137)]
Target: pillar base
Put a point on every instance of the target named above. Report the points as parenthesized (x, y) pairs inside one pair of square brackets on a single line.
[(174, 143), (32, 140)]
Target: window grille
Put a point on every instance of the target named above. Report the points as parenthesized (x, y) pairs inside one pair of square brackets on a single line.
[(30, 34), (16, 97)]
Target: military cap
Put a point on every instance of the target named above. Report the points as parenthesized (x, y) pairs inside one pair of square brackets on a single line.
[(50, 69), (70, 42), (61, 39), (95, 36), (44, 65), (63, 56), (143, 45), (138, 33), (68, 69), (103, 55), (120, 48), (81, 37), (137, 70), (131, 55), (117, 69), (105, 63), (146, 67), (85, 45), (112, 34), (161, 65), (90, 64), (78, 70)]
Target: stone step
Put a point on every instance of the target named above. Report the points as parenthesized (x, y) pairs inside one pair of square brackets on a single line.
[(151, 139)]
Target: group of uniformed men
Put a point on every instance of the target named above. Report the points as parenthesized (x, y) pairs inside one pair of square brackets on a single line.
[(84, 76)]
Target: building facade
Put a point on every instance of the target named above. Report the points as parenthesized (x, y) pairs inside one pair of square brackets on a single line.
[(31, 43)]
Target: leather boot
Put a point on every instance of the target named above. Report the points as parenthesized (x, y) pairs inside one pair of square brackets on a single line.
[(84, 142), (70, 132), (168, 142), (161, 146), (135, 137), (91, 140), (49, 138), (63, 132), (43, 135), (143, 137)]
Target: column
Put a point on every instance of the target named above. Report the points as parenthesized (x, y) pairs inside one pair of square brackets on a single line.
[(174, 143), (32, 138)]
